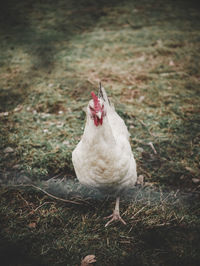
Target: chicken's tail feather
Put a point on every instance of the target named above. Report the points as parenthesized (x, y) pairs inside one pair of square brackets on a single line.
[(102, 94)]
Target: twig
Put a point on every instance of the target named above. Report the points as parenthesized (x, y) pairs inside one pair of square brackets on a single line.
[(151, 145), (144, 125), (54, 197), (48, 194), (138, 211), (23, 199), (47, 202), (164, 200), (176, 193), (54, 177)]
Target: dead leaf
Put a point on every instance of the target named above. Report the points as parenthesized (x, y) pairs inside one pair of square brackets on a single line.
[(190, 170), (88, 260), (195, 180), (32, 225), (8, 150)]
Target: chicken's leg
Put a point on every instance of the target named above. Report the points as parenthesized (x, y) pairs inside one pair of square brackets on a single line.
[(116, 215)]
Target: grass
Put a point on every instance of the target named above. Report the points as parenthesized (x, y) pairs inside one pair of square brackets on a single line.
[(53, 54), (53, 233)]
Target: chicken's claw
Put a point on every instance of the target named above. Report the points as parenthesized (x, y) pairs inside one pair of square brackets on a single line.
[(114, 217)]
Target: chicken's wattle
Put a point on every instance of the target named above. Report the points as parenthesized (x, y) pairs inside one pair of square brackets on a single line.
[(97, 111)]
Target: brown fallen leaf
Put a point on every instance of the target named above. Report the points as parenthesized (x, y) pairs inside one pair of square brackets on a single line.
[(32, 225), (88, 260)]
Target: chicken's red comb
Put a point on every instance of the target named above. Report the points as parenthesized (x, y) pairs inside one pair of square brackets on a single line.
[(96, 100)]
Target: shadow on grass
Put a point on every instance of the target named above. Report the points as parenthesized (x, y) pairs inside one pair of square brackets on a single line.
[(18, 253), (165, 246), (38, 28), (156, 246)]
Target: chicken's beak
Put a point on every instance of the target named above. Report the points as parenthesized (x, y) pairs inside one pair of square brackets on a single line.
[(98, 115)]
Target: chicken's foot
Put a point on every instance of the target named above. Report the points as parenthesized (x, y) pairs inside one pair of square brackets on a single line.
[(116, 215)]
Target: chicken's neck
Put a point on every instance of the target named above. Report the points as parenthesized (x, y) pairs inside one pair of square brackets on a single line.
[(99, 133)]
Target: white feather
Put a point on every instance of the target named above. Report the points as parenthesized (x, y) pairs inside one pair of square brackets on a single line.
[(103, 158)]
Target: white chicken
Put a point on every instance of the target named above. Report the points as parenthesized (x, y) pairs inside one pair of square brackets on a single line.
[(103, 158)]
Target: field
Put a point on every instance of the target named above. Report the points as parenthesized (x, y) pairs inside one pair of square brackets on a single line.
[(147, 56)]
